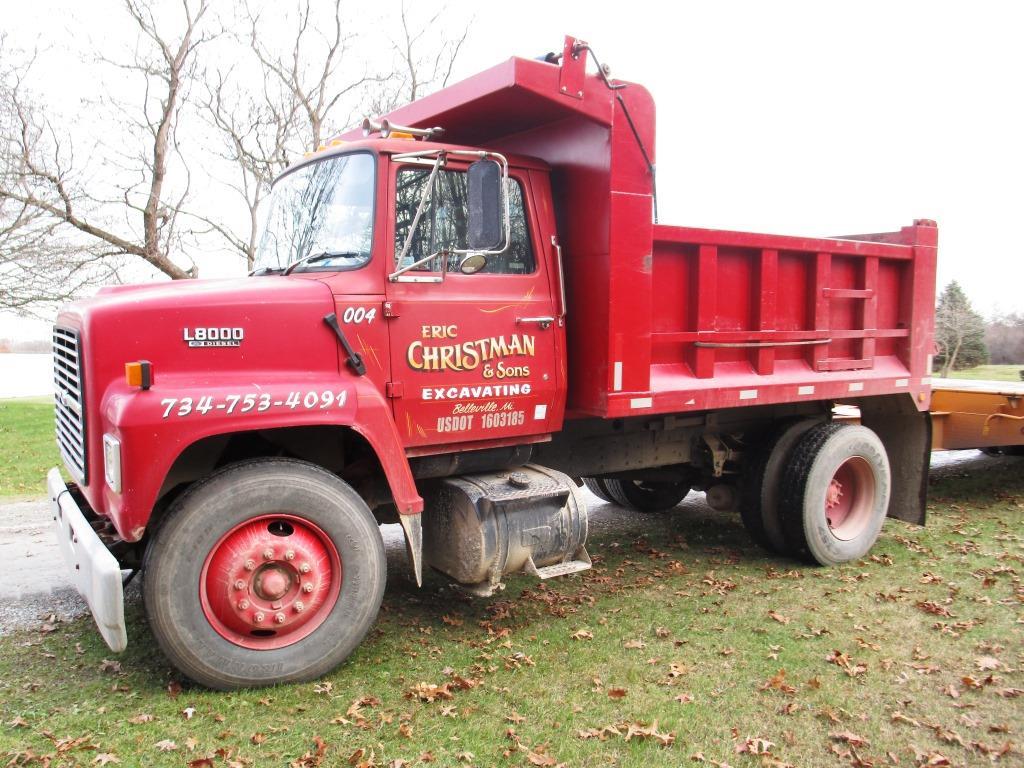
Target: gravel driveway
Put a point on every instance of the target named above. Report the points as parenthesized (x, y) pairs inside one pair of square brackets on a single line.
[(33, 570)]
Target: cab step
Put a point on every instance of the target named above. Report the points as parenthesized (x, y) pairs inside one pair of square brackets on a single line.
[(560, 569)]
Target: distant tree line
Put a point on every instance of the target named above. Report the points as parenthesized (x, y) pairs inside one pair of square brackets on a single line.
[(24, 346), (1004, 337)]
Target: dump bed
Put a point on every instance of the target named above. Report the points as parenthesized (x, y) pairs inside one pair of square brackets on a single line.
[(732, 318), (669, 319)]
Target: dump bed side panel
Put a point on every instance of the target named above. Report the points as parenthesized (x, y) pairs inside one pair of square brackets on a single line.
[(745, 319)]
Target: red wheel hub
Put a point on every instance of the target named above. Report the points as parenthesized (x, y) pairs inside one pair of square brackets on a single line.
[(849, 498), (270, 581)]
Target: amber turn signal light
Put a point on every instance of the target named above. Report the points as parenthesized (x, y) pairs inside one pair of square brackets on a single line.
[(139, 374)]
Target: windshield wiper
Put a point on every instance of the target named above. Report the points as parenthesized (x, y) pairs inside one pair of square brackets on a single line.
[(266, 271), (313, 258)]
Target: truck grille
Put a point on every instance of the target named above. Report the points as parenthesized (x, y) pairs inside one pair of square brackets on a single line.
[(69, 399)]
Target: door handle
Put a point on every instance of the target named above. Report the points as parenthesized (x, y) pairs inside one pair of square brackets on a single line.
[(543, 322)]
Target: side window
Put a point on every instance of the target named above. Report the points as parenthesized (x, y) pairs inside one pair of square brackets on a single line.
[(443, 224)]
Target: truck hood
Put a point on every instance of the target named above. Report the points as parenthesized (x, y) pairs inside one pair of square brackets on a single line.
[(269, 325)]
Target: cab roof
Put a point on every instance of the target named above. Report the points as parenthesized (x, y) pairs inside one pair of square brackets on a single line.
[(400, 146)]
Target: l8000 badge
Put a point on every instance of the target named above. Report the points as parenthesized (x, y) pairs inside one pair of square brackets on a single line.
[(213, 337)]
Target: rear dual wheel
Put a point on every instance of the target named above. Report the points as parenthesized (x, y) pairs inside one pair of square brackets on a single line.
[(270, 571), (761, 484), (638, 495), (596, 486), (835, 493), (817, 491), (645, 495)]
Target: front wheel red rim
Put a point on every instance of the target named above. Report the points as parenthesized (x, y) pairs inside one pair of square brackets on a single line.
[(270, 581), (850, 498)]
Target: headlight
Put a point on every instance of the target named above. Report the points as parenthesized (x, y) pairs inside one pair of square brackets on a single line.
[(112, 462)]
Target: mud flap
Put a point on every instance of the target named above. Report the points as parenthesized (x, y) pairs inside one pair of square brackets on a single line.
[(906, 434)]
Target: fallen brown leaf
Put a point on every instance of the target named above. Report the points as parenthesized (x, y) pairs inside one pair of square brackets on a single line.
[(777, 683), (928, 606), (850, 738)]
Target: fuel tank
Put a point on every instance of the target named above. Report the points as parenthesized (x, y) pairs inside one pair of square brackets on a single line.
[(478, 528)]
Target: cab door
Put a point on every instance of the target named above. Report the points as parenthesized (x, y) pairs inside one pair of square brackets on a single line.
[(473, 356)]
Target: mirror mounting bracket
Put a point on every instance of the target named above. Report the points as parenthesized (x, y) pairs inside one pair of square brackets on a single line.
[(440, 159)]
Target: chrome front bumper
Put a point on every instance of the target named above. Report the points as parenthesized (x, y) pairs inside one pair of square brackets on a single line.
[(94, 571)]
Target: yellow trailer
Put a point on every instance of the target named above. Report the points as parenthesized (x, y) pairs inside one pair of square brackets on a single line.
[(977, 414)]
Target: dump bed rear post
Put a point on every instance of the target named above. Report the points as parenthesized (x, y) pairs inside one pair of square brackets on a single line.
[(902, 422)]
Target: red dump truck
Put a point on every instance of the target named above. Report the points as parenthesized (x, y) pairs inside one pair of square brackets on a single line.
[(460, 315)]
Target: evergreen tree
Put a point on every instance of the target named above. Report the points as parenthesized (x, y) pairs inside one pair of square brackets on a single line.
[(959, 332)]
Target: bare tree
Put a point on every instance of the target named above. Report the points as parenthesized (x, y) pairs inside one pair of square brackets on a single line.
[(423, 58), (425, 64), (304, 88), (264, 129), (41, 261), (311, 72), (133, 211), (256, 130)]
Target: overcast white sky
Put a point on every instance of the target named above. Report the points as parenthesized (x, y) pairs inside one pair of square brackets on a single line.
[(791, 117)]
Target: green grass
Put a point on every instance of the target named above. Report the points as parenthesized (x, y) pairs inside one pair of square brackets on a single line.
[(990, 372), (27, 446), (690, 588)]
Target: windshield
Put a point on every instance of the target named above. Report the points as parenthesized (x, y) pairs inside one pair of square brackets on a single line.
[(323, 210)]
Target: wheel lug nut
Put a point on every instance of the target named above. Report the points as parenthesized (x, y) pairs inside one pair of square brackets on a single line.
[(250, 565), (239, 584), (304, 568), (289, 555), (279, 618), (307, 588), (299, 606), (243, 604), (258, 617), (268, 554)]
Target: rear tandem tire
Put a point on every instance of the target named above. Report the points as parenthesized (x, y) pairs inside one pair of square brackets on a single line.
[(643, 496), (835, 493), (281, 539), (760, 484), (596, 486)]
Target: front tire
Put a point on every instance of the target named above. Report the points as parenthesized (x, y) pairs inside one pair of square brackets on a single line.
[(269, 571), (835, 493)]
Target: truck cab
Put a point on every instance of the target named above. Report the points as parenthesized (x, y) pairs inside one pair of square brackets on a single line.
[(436, 335)]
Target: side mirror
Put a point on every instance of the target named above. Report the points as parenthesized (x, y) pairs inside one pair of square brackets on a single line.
[(473, 263), (486, 206)]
